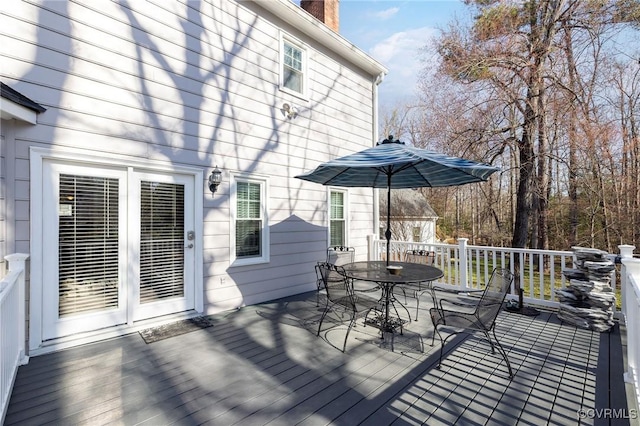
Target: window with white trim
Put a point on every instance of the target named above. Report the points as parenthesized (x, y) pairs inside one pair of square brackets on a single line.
[(250, 237), (293, 67), (337, 218), (417, 233)]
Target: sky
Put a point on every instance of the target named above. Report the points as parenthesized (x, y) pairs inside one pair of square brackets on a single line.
[(395, 33)]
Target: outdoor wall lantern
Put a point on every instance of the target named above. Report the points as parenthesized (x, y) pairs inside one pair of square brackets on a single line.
[(289, 111), (215, 178)]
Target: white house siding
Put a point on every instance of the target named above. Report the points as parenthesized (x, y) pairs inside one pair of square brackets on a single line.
[(194, 85), (3, 196)]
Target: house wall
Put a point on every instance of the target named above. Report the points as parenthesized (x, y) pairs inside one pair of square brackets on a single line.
[(3, 197), (191, 84)]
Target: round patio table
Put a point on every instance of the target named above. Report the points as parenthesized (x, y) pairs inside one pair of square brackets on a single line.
[(376, 271)]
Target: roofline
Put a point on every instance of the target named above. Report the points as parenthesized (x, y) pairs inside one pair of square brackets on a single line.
[(305, 22), (15, 105)]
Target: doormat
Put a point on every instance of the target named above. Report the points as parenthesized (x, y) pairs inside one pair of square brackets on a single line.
[(166, 331)]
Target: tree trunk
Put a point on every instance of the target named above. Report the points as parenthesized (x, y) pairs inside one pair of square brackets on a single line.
[(523, 199)]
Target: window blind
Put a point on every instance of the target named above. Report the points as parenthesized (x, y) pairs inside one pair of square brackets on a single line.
[(87, 244), (249, 220), (336, 219), (161, 241)]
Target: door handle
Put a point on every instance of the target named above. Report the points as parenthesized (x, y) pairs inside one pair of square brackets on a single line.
[(189, 246)]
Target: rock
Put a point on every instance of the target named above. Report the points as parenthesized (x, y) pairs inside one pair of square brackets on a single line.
[(588, 300)]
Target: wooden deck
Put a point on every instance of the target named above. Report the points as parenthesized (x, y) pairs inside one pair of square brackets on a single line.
[(264, 365)]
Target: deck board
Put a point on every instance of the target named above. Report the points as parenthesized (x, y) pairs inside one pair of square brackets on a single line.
[(264, 364)]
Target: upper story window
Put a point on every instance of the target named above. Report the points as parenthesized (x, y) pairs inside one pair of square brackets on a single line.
[(337, 218), (250, 222), (293, 67)]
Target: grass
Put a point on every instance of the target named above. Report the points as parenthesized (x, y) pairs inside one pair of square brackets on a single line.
[(526, 280)]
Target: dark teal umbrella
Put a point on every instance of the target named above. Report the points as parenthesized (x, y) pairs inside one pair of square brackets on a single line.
[(392, 164)]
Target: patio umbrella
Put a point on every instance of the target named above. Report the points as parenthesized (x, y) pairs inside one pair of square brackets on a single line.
[(392, 164)]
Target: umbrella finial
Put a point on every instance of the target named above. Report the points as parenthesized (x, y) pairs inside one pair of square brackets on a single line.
[(390, 140)]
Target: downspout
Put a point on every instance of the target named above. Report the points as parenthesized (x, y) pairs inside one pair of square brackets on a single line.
[(376, 196)]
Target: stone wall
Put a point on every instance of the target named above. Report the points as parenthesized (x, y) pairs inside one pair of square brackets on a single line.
[(588, 300)]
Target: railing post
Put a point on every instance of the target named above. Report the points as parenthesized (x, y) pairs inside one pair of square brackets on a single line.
[(371, 247), (626, 252), (17, 262), (631, 306), (462, 262)]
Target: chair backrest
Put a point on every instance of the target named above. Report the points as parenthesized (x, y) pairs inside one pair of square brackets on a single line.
[(341, 255), (336, 283), (424, 257), (493, 296)]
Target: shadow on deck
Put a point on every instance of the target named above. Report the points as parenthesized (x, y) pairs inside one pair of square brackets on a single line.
[(264, 364)]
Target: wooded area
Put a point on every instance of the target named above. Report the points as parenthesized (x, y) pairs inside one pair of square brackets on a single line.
[(550, 92)]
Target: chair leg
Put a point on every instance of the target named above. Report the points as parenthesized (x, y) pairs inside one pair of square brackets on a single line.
[(318, 293), (419, 293), (405, 294), (353, 319), (488, 337), (435, 331), (398, 314), (503, 353), (322, 318)]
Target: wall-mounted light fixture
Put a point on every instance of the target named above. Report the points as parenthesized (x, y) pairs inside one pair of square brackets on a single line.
[(289, 111), (215, 178)]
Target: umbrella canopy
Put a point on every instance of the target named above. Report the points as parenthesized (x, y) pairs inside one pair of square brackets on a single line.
[(392, 164)]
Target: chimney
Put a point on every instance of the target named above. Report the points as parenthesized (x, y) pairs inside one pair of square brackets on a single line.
[(326, 11)]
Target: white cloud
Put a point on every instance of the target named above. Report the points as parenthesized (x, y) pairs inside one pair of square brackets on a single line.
[(387, 13), (401, 54)]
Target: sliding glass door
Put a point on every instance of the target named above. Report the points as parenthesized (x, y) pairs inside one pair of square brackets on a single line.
[(118, 247)]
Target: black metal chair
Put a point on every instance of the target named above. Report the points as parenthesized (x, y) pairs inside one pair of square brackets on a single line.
[(341, 255), (319, 282), (417, 289), (340, 293), (336, 255), (472, 313)]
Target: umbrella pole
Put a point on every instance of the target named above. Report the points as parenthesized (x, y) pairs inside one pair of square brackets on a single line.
[(387, 234)]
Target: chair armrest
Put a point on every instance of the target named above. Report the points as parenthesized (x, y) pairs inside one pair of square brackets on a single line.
[(459, 305), (440, 302), (364, 286), (456, 291)]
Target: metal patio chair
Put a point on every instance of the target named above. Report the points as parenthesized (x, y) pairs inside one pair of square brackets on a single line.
[(340, 293), (341, 255), (417, 289), (336, 255), (472, 313)]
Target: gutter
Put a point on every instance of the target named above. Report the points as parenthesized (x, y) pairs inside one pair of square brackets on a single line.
[(376, 136)]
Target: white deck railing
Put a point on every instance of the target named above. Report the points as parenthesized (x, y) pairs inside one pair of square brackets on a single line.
[(631, 310), (540, 276), (538, 272), (12, 327)]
